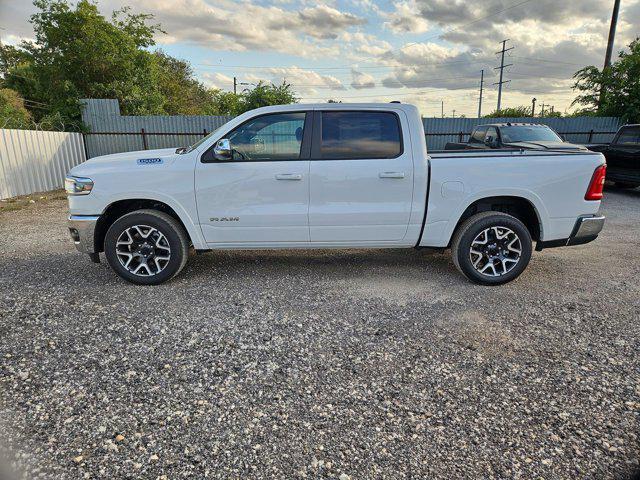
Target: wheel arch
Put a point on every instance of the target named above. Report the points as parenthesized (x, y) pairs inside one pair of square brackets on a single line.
[(118, 208), (520, 207)]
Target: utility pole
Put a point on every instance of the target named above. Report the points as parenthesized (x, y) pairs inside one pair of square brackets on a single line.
[(235, 85), (552, 107), (533, 107), (611, 41), (612, 33), (481, 85), (542, 111), (501, 68), (442, 108), (454, 113)]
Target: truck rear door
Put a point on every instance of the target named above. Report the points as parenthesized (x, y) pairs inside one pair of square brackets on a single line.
[(623, 155), (361, 177)]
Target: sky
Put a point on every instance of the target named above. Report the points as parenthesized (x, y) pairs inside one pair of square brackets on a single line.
[(423, 52)]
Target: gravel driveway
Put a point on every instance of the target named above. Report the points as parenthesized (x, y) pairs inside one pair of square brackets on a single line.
[(320, 364)]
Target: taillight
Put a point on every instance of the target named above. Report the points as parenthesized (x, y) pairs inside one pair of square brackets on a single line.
[(594, 192)]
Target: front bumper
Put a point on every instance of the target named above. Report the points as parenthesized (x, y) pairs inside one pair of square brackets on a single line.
[(82, 230), (586, 230)]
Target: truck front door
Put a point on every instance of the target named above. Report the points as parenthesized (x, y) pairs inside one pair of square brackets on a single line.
[(260, 195), (361, 177)]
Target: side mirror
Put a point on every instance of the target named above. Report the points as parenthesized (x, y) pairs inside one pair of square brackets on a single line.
[(222, 150), (489, 141)]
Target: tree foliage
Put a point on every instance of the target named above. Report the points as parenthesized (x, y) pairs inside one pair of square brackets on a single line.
[(13, 113), (619, 85), (79, 53), (515, 112)]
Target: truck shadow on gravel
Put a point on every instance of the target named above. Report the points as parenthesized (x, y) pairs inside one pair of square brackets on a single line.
[(328, 264)]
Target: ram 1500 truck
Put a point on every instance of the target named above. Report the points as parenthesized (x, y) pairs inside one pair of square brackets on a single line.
[(331, 176)]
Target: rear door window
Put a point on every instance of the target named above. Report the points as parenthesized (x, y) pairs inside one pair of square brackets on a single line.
[(360, 134)]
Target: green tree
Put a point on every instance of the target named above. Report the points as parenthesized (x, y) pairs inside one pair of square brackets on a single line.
[(619, 85), (78, 53), (225, 103), (268, 94), (13, 113), (182, 93), (514, 112), (262, 95)]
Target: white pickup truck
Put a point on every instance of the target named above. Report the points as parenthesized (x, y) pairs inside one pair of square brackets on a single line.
[(331, 176)]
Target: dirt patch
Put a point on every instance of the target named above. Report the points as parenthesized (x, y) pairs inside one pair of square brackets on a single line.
[(472, 330), (26, 201)]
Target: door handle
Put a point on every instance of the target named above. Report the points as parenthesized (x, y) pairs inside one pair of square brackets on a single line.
[(288, 176), (391, 175)]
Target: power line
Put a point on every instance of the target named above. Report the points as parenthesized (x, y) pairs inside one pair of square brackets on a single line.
[(345, 67)]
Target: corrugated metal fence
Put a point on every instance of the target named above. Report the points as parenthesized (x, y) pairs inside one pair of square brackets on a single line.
[(113, 133), (35, 160)]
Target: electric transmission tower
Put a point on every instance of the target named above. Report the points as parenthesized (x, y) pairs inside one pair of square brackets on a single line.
[(501, 68)]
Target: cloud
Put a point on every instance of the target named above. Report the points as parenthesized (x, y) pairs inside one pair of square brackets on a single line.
[(228, 25), (217, 80), (304, 82), (405, 19), (325, 22), (361, 80)]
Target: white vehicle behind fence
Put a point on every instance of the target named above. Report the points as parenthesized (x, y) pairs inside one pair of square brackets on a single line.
[(331, 176)]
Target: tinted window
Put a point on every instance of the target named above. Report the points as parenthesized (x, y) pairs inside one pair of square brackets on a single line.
[(629, 136), (269, 137), (360, 135), (478, 135), (528, 134)]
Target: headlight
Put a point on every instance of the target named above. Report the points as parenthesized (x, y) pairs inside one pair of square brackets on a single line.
[(78, 185)]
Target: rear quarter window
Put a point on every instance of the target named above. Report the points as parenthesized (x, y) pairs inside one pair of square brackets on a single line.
[(364, 134)]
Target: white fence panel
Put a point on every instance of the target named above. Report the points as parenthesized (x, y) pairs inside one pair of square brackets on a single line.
[(36, 161)]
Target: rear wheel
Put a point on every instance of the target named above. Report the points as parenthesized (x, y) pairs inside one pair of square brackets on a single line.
[(491, 248), (146, 247)]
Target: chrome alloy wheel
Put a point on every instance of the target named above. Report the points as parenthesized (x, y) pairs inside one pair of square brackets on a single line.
[(495, 251), (143, 250)]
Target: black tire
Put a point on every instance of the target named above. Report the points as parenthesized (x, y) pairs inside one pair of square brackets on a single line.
[(626, 184), (168, 226), (474, 226)]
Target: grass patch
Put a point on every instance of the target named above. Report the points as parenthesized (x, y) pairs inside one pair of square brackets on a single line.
[(26, 201)]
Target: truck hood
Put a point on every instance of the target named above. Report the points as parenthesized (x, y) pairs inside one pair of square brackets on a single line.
[(125, 159), (540, 145)]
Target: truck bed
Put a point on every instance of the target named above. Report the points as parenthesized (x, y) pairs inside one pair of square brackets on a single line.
[(554, 183)]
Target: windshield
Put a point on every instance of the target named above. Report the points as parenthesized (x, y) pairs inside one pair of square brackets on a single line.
[(515, 134), (202, 140)]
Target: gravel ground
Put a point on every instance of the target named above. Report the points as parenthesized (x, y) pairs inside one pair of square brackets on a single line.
[(320, 364)]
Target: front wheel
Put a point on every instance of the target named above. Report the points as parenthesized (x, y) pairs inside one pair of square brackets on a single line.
[(146, 247), (491, 248)]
